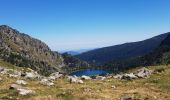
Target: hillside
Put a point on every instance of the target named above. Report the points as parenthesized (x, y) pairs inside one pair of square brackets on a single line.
[(72, 63), (123, 51), (155, 87), (159, 56), (25, 51)]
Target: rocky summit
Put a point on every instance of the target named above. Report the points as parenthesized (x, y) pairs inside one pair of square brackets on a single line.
[(25, 51)]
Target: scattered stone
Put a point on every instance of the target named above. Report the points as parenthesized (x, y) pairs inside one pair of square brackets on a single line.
[(25, 91), (128, 76), (80, 81), (75, 79), (0, 79), (3, 71), (21, 90), (46, 82), (113, 86), (100, 77), (118, 76), (31, 75), (143, 73), (126, 98), (56, 74), (21, 82), (85, 77), (13, 75)]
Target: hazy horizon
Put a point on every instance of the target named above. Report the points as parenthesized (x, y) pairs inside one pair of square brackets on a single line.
[(87, 24)]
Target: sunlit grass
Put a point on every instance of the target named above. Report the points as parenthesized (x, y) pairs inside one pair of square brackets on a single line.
[(156, 87)]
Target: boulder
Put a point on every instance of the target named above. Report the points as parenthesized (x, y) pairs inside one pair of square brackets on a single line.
[(85, 77), (100, 77), (3, 71), (32, 75), (118, 76), (80, 81), (75, 79), (55, 76), (128, 76), (22, 90), (25, 92), (21, 82), (46, 82), (143, 73)]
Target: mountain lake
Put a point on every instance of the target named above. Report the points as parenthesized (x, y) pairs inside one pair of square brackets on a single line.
[(89, 72)]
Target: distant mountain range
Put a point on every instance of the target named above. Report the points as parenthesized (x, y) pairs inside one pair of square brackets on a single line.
[(123, 51), (77, 52), (24, 51)]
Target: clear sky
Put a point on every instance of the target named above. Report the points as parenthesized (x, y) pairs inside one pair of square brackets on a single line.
[(81, 24)]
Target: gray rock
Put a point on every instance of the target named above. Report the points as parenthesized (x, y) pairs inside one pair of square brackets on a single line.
[(3, 71), (55, 76), (100, 77), (143, 73), (13, 75), (128, 76), (32, 75), (75, 79), (46, 82), (85, 77), (22, 90), (118, 76), (21, 82)]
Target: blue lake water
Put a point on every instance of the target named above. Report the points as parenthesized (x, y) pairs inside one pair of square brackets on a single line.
[(89, 72)]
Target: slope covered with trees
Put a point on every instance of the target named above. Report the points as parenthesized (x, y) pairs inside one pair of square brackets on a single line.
[(159, 56), (123, 51)]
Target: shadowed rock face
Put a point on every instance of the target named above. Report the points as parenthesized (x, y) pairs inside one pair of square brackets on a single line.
[(25, 51)]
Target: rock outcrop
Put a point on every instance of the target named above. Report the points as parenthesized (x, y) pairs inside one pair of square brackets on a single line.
[(25, 51), (141, 73)]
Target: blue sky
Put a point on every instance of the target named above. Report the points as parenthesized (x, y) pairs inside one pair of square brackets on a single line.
[(81, 24)]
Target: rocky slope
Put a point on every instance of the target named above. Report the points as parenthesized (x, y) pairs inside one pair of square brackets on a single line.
[(123, 51), (25, 51)]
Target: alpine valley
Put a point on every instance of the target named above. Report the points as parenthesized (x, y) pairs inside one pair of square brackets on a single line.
[(30, 70)]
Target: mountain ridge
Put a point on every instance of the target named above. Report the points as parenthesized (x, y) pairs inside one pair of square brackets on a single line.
[(22, 50), (122, 51)]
